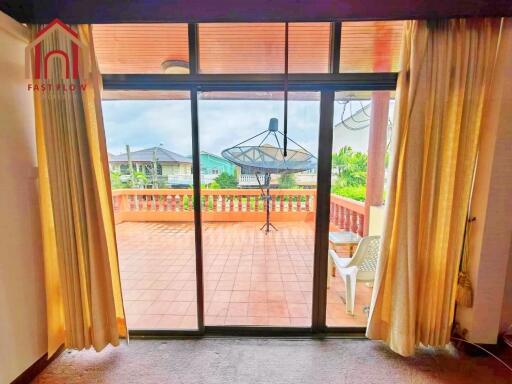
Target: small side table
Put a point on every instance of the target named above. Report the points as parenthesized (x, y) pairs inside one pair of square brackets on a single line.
[(344, 243)]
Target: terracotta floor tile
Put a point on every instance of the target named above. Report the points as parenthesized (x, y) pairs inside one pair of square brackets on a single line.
[(217, 309), (277, 310), (239, 297), (158, 308), (298, 310), (186, 296), (295, 297), (257, 310), (136, 307), (147, 321), (178, 308), (167, 295), (278, 321), (189, 322), (289, 277), (221, 296), (237, 310), (225, 285), (300, 321), (132, 294), (169, 321), (275, 286), (276, 296), (250, 278), (257, 296)]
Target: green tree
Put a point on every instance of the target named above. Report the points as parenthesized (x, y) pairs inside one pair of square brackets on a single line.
[(287, 181), (115, 180), (224, 181), (350, 167)]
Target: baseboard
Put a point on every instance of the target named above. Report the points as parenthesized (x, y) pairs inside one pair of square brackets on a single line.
[(35, 369)]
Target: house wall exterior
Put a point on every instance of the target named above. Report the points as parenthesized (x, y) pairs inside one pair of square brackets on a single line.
[(213, 165), (167, 168)]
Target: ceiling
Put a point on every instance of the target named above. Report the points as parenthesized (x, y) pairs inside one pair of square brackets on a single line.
[(133, 11), (371, 46)]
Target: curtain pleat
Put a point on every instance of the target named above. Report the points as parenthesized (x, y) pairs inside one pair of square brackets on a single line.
[(446, 72), (83, 287)]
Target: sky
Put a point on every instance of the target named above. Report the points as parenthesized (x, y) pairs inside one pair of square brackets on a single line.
[(222, 124)]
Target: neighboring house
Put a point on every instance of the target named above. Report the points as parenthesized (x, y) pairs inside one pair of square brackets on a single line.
[(214, 165), (170, 166)]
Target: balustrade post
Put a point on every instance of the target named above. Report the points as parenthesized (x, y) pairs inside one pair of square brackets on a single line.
[(248, 203), (290, 203), (182, 202), (347, 220), (307, 203), (206, 202), (215, 202), (239, 203), (190, 203), (354, 227), (173, 203), (361, 226), (132, 202)]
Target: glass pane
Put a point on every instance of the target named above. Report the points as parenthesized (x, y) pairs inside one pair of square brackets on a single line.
[(308, 47), (141, 48), (253, 277), (370, 46), (150, 145), (361, 137), (241, 47)]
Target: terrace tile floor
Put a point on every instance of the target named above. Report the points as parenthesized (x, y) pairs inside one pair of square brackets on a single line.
[(249, 278)]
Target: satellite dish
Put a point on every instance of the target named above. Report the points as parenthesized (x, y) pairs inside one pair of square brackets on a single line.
[(263, 155)]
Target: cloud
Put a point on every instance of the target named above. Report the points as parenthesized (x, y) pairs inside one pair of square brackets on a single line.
[(222, 124)]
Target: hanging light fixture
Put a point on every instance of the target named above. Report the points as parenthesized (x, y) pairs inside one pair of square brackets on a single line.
[(175, 67)]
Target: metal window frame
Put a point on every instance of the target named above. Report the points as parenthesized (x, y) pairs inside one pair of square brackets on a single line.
[(325, 83)]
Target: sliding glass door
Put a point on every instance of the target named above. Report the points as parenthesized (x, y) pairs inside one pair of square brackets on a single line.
[(149, 141), (258, 207), (360, 155)]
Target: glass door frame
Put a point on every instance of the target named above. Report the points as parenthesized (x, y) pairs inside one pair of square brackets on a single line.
[(327, 84)]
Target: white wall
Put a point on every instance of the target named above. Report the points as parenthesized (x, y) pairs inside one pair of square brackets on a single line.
[(22, 298), (491, 233)]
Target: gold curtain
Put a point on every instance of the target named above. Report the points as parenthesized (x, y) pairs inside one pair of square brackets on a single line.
[(446, 72), (83, 289)]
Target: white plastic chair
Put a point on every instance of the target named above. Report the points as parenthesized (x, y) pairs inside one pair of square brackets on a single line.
[(360, 267)]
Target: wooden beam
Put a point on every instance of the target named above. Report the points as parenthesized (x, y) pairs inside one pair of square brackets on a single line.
[(121, 11)]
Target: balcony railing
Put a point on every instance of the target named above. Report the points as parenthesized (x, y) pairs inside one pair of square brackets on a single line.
[(304, 179), (233, 205)]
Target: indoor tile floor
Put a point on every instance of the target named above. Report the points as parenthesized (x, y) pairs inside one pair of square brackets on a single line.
[(249, 278)]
